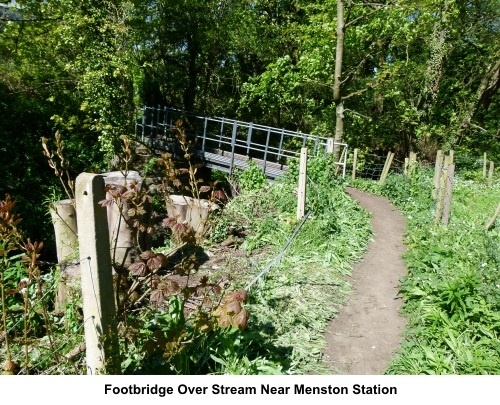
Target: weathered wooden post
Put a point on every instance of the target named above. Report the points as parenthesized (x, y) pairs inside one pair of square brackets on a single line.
[(97, 283), (413, 163), (405, 169), (329, 145), (354, 163), (484, 165), (387, 166), (442, 190), (301, 194), (437, 172), (448, 193), (493, 218), (490, 174)]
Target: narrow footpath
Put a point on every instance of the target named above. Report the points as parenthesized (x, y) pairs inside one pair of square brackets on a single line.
[(368, 330)]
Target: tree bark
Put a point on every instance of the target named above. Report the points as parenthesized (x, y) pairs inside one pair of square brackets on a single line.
[(337, 89), (488, 87)]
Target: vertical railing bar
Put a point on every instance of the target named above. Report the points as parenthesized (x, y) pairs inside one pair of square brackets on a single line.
[(165, 115), (281, 144), (345, 160), (152, 127), (316, 145), (265, 151), (233, 142), (204, 136), (249, 137), (170, 125), (143, 121), (157, 123), (221, 129), (135, 122), (304, 142)]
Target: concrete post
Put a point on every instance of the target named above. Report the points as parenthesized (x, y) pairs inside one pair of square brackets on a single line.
[(121, 235), (64, 219), (97, 282)]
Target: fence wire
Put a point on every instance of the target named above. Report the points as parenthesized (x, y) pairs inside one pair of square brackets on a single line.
[(464, 166), (370, 166)]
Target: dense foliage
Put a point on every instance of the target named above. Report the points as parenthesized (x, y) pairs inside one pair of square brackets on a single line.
[(415, 74)]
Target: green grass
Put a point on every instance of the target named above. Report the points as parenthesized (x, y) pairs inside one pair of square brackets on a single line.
[(292, 305)]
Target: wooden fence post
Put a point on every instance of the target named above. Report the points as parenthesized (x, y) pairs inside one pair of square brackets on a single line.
[(484, 165), (387, 166), (405, 170), (413, 162), (493, 218), (301, 203), (448, 193), (101, 337), (442, 190), (490, 174), (329, 145), (354, 163), (452, 155), (437, 172)]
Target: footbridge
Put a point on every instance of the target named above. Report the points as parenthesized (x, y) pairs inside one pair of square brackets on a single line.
[(227, 144)]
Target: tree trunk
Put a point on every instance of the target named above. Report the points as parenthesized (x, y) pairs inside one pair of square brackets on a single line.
[(487, 89), (192, 79), (337, 91)]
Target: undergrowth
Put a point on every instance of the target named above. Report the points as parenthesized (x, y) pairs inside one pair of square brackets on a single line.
[(294, 302), (452, 290)]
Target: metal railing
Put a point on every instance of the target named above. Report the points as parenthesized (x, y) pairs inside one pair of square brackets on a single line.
[(226, 144)]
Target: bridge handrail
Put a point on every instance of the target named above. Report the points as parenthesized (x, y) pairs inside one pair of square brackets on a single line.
[(158, 118)]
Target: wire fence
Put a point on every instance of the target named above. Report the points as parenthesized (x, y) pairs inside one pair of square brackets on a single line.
[(446, 169), (371, 166)]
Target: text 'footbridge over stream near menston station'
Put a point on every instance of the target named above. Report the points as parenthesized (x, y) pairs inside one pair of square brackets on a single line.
[(227, 144)]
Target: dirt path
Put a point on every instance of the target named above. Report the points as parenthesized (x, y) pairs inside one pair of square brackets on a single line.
[(368, 330)]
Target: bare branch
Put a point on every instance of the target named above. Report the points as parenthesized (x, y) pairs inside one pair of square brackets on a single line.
[(358, 114)]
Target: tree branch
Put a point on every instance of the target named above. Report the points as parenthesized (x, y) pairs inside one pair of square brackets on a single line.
[(362, 16)]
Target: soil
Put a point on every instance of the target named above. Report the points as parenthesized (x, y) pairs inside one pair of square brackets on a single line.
[(368, 329)]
